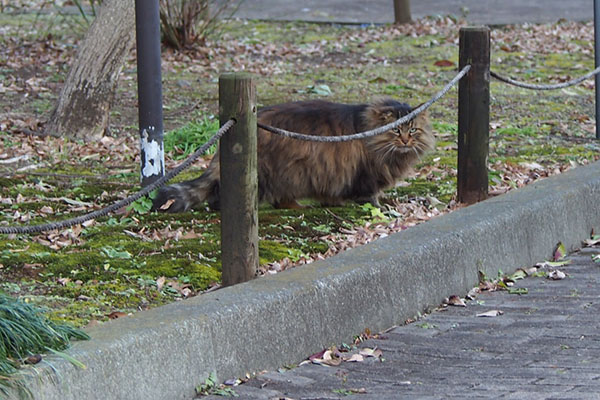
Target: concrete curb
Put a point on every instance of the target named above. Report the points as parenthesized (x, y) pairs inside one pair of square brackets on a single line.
[(277, 320)]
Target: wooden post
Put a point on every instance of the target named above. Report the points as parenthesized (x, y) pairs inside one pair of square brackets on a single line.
[(402, 11), (239, 180), (473, 115)]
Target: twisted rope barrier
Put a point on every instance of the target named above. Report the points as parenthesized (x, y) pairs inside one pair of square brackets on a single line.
[(160, 182), (373, 132), (126, 201), (545, 87)]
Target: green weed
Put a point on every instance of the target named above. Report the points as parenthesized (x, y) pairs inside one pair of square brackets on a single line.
[(182, 142)]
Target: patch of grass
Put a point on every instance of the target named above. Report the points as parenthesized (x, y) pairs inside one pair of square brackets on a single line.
[(268, 251), (25, 331), (442, 127), (515, 130), (182, 142)]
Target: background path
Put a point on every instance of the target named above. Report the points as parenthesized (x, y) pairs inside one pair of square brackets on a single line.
[(490, 12)]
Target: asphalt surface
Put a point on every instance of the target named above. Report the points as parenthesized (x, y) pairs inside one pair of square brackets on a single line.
[(545, 345)]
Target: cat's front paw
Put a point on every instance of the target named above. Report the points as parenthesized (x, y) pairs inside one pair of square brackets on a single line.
[(169, 199)]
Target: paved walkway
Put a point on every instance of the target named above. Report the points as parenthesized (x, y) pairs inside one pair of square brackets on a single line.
[(546, 345), (490, 12)]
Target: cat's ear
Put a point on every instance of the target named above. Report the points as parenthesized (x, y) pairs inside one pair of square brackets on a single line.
[(385, 113), (424, 113)]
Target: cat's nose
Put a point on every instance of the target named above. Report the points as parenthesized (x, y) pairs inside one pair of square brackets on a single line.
[(404, 139)]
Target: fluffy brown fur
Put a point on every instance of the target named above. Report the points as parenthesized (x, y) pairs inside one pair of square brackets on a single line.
[(289, 169)]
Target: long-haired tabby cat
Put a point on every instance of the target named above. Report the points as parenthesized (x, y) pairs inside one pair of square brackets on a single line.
[(289, 169)]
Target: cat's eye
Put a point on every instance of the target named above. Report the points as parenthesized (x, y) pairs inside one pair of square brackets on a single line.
[(412, 130)]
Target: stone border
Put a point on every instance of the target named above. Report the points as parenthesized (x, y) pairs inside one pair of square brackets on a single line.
[(276, 320)]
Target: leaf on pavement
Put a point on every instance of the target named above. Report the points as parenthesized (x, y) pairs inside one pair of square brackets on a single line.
[(553, 264), (491, 313), (560, 252), (593, 241), (367, 352), (329, 358), (557, 275), (355, 358), (454, 300), (520, 290)]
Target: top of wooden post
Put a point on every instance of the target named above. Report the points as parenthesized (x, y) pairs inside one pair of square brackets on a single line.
[(475, 28), (236, 76)]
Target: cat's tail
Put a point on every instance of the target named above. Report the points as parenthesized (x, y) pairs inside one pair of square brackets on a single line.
[(184, 196)]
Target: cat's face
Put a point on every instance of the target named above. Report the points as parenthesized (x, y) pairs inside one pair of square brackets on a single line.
[(412, 136), (415, 136)]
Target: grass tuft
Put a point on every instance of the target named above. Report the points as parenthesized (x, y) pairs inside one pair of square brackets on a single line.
[(182, 142), (25, 331)]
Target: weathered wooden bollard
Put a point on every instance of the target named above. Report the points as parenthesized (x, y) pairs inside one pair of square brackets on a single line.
[(473, 115), (239, 180)]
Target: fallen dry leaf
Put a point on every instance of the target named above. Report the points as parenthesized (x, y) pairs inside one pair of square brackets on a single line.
[(491, 313), (560, 252), (160, 282), (116, 314), (592, 242), (46, 210), (553, 264), (167, 204), (557, 275), (63, 281), (454, 300), (530, 271), (33, 359), (443, 63), (367, 352), (355, 358), (328, 358)]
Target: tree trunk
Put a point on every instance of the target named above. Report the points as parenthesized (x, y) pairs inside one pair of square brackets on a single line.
[(83, 106)]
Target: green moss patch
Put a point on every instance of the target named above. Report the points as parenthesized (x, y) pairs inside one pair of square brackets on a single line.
[(135, 260)]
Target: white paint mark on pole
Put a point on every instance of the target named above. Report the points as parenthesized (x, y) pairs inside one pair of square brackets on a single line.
[(153, 155)]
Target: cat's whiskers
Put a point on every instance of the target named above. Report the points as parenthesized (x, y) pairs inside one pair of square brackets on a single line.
[(390, 148), (417, 153)]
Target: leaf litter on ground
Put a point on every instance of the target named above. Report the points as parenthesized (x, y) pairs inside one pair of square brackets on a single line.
[(26, 154)]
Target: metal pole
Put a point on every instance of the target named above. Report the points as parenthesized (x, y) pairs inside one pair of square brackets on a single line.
[(597, 62), (147, 24)]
